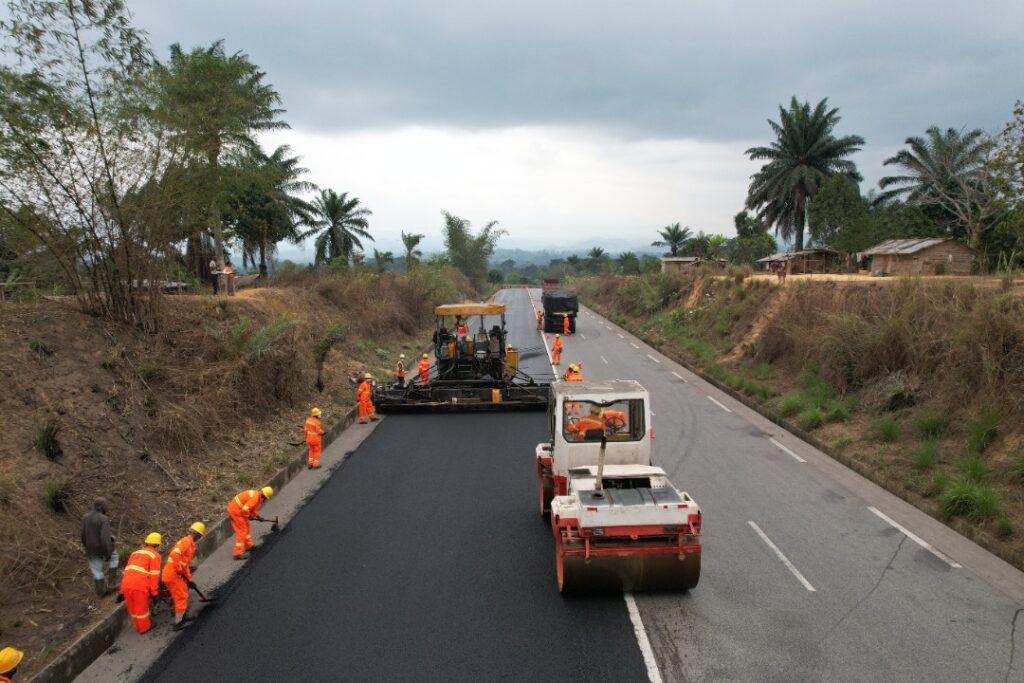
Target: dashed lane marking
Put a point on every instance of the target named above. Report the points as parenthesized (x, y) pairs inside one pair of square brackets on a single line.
[(634, 345), (653, 358), (719, 404), (916, 539), (583, 337), (678, 376), (785, 560), (605, 360), (785, 450)]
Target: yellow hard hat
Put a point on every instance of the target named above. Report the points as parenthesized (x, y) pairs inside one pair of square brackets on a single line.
[(199, 528), (557, 335), (426, 356), (154, 539), (595, 410), (10, 659), (315, 412), (367, 376), (267, 492)]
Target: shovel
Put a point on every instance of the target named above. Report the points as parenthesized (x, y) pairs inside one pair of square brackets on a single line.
[(202, 598), (275, 522)]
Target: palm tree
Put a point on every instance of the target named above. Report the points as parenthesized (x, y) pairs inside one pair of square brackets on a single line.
[(573, 260), (948, 170), (342, 223), (595, 254), (803, 155), (381, 259), (673, 237), (628, 263), (412, 254)]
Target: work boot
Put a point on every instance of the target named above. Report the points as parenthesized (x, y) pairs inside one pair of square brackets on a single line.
[(373, 419), (315, 466), (101, 587)]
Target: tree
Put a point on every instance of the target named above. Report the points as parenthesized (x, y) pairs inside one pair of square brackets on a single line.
[(628, 263), (468, 252), (804, 154), (837, 214), (213, 104), (951, 171), (381, 259), (412, 254), (342, 226), (673, 237), (1009, 179)]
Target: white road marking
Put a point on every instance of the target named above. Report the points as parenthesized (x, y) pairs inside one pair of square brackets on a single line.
[(653, 675), (785, 560), (653, 358), (678, 376), (916, 539), (605, 360), (719, 404), (583, 337), (654, 414), (634, 345), (620, 335), (608, 326), (785, 450)]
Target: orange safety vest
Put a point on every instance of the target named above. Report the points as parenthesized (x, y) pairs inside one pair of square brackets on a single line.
[(424, 366), (142, 571), (246, 504), (363, 392), (571, 376), (179, 559), (313, 429), (557, 346), (585, 423), (400, 370)]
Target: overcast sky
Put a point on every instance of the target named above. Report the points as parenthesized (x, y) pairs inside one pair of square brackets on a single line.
[(588, 122)]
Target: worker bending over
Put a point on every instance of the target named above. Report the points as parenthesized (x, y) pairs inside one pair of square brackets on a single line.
[(177, 573), (365, 402), (242, 508), (573, 374), (556, 350), (10, 658), (595, 420), (314, 438), (424, 369), (565, 323), (141, 581), (400, 371)]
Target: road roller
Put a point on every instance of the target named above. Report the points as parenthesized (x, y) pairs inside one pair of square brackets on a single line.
[(618, 522)]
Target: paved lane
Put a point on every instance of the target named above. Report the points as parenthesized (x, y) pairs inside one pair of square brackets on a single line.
[(422, 559), (883, 608)]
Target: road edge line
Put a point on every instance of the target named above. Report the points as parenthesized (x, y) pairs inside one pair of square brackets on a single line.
[(785, 450), (916, 539), (646, 651)]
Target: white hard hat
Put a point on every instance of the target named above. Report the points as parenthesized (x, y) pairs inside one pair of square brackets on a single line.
[(401, 355)]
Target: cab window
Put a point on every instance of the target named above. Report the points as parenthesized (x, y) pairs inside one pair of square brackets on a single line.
[(616, 420)]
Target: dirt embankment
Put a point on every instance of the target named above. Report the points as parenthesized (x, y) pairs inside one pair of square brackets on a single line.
[(918, 382), (169, 426)]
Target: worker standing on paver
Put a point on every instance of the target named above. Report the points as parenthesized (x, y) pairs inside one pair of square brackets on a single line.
[(365, 402), (177, 573), (565, 323), (99, 546), (400, 371), (242, 508), (10, 658), (314, 434), (141, 581), (424, 369), (556, 350)]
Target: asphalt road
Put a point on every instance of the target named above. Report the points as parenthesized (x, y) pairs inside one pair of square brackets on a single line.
[(422, 559)]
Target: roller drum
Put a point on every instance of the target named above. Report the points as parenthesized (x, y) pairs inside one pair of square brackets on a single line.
[(636, 573)]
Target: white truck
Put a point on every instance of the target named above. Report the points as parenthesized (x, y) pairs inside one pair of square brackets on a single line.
[(618, 522)]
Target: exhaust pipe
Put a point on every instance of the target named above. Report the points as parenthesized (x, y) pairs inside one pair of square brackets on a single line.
[(599, 485)]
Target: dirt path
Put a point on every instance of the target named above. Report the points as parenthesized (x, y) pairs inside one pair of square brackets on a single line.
[(766, 315)]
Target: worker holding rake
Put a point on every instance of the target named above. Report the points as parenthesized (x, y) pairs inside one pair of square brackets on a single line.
[(177, 573), (242, 508), (141, 581)]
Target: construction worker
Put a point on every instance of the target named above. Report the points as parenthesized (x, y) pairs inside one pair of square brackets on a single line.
[(10, 658), (595, 420), (556, 350), (565, 323), (424, 369), (461, 328), (573, 374), (400, 371), (314, 434), (177, 574), (365, 402), (242, 508), (141, 581), (615, 420), (540, 319)]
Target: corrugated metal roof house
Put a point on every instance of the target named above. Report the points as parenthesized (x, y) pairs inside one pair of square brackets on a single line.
[(818, 260), (921, 256)]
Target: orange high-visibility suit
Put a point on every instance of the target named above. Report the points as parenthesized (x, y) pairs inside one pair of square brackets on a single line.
[(424, 371), (365, 404), (141, 581), (573, 376), (565, 324), (241, 509), (615, 419), (584, 424), (556, 351), (400, 372), (177, 573), (540, 319), (314, 433)]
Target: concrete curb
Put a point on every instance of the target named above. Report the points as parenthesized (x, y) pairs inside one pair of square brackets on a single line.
[(84, 651), (932, 510)]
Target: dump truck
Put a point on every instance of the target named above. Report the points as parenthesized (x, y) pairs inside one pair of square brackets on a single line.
[(618, 522), (474, 368), (558, 303)]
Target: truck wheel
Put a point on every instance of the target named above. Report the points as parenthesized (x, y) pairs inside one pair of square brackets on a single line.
[(572, 325), (547, 492)]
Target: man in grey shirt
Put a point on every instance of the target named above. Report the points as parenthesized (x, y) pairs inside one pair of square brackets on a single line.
[(99, 545)]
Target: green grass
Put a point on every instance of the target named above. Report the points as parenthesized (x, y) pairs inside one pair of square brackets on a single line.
[(939, 483), (837, 411), (966, 498), (45, 440), (982, 431), (1004, 527), (56, 493), (974, 468), (810, 419), (1017, 468), (762, 371), (816, 389), (791, 404), (930, 424), (40, 347), (152, 372), (110, 359), (885, 429), (841, 442), (925, 456)]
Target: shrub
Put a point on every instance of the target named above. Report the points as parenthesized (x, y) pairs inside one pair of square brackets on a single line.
[(333, 335), (925, 456), (886, 429), (791, 404), (56, 494), (40, 347), (110, 359), (152, 372), (1004, 527), (931, 424), (762, 371), (938, 483), (810, 419), (817, 389), (982, 431), (45, 440), (974, 467), (966, 498), (841, 442), (241, 341), (837, 411)]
